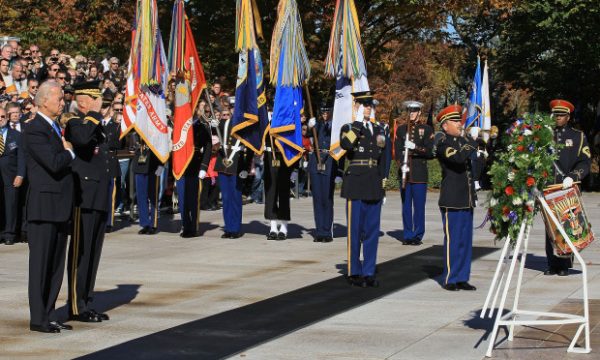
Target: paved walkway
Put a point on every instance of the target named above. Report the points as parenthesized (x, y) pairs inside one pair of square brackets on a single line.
[(250, 298)]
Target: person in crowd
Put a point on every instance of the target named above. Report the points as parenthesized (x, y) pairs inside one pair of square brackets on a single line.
[(12, 173)]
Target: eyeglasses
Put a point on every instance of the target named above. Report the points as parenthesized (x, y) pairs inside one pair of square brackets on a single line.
[(53, 54), (118, 110), (35, 50), (225, 114), (33, 86), (2, 116), (28, 108), (27, 53), (36, 62), (61, 78)]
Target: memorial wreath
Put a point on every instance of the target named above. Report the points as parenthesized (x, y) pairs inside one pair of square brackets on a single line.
[(524, 167)]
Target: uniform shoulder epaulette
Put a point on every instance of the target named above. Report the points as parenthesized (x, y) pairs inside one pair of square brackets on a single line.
[(28, 121), (66, 117)]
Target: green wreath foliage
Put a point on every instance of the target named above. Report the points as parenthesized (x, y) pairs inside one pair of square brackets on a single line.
[(525, 167)]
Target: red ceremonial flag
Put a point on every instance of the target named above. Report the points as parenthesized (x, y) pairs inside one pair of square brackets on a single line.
[(193, 66), (183, 132)]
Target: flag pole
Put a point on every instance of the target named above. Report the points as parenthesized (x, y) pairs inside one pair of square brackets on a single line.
[(320, 166)]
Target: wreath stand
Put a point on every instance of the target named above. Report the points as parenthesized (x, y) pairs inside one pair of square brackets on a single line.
[(502, 279)]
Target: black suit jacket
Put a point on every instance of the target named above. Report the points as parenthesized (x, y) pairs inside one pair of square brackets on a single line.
[(90, 167), (12, 161), (50, 193)]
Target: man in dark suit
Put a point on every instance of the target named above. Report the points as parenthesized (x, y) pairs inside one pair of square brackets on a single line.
[(91, 177), (12, 170), (49, 206)]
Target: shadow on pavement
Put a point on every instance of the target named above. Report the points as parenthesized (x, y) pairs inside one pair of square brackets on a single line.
[(228, 333), (104, 301)]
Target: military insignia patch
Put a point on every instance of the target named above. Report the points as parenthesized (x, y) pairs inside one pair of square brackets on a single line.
[(586, 150), (569, 143), (450, 152)]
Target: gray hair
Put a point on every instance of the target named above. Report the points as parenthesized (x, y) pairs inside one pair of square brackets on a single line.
[(44, 91)]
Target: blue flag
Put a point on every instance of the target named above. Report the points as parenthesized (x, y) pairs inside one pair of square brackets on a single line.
[(474, 106), (250, 121), (286, 127)]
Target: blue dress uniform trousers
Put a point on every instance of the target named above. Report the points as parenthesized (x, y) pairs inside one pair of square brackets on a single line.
[(364, 220), (414, 196), (231, 194), (458, 244), (147, 195), (323, 186), (113, 191), (189, 201)]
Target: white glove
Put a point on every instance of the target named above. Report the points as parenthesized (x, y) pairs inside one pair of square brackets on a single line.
[(409, 144), (477, 186), (384, 199), (405, 168), (214, 123), (159, 170), (312, 122), (202, 174), (338, 180), (567, 182), (243, 174), (304, 164), (474, 132)]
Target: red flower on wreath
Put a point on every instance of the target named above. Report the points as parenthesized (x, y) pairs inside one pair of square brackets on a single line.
[(530, 181), (509, 190), (520, 148), (505, 210), (520, 138), (544, 174), (529, 208)]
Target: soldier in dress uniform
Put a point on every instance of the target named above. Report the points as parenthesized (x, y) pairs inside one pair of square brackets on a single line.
[(112, 130), (419, 145), (323, 172), (189, 185), (147, 169), (363, 188), (92, 176), (457, 198), (233, 164), (573, 164), (277, 191)]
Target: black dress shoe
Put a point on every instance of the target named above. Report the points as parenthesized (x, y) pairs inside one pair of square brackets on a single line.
[(281, 236), (407, 242), (226, 235), (188, 234), (356, 280), (144, 230), (370, 281), (272, 236), (61, 326), (416, 242), (108, 229), (235, 235), (451, 287), (152, 231), (563, 272), (465, 286), (9, 242), (327, 239), (550, 271), (318, 239), (44, 329), (86, 316), (101, 316)]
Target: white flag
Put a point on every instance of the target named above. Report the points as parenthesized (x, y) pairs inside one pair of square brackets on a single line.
[(485, 95)]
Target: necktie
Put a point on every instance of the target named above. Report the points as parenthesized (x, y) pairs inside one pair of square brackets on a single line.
[(1, 142), (57, 128), (13, 126)]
